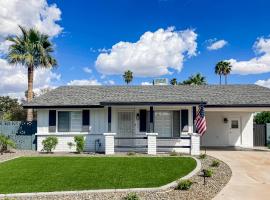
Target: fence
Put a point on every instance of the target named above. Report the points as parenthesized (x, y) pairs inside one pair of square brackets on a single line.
[(22, 133)]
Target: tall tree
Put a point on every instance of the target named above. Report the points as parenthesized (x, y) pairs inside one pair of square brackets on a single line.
[(173, 81), (128, 76), (219, 70), (227, 68), (31, 49), (196, 79), (11, 109)]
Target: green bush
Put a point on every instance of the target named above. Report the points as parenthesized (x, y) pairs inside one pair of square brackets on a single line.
[(202, 156), (173, 153), (6, 143), (215, 163), (49, 144), (80, 142), (131, 153), (184, 185), (207, 172), (131, 196)]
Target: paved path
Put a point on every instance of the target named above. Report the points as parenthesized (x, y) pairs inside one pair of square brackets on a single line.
[(250, 174)]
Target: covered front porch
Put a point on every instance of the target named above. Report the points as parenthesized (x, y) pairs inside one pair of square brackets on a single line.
[(151, 128)]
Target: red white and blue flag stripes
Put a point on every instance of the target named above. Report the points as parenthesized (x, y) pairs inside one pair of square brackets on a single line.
[(200, 121)]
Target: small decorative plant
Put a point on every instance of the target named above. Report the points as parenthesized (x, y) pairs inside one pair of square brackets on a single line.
[(131, 153), (207, 173), (131, 196), (6, 143), (70, 145), (202, 156), (79, 142), (215, 163), (173, 153), (49, 144), (184, 185)]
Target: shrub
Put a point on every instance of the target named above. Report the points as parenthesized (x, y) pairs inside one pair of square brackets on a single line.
[(173, 153), (207, 172), (202, 156), (49, 144), (131, 196), (80, 142), (184, 185), (131, 153), (6, 143), (215, 163)]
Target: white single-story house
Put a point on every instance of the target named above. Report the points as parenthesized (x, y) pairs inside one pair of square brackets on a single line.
[(158, 116)]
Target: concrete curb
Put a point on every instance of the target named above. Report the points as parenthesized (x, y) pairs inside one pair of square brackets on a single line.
[(1, 161), (164, 187)]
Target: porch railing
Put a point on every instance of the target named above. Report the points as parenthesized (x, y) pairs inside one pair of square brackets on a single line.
[(130, 143)]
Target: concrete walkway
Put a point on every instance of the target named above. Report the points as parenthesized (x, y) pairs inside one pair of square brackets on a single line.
[(250, 174)]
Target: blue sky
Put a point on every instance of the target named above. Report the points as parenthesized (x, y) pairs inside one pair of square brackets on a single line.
[(86, 27)]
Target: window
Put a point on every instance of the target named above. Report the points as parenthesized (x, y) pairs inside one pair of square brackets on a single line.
[(234, 124), (63, 121), (69, 121)]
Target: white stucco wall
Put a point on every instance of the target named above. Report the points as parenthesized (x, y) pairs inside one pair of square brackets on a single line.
[(217, 133)]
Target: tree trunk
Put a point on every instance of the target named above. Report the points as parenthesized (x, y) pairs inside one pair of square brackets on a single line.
[(219, 79), (225, 79), (30, 92)]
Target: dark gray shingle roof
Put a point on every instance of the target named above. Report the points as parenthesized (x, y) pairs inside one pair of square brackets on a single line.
[(214, 95)]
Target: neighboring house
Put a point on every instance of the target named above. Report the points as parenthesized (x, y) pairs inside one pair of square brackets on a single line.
[(132, 111)]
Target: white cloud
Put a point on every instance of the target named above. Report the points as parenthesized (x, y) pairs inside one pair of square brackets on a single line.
[(265, 83), (146, 83), (30, 13), (152, 55), (215, 45), (84, 82), (14, 79), (87, 70), (109, 82), (257, 65)]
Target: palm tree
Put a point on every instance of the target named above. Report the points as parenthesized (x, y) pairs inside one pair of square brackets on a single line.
[(173, 81), (32, 49), (196, 79), (227, 68), (219, 70), (128, 76)]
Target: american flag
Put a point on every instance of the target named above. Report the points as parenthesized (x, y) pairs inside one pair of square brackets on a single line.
[(200, 121)]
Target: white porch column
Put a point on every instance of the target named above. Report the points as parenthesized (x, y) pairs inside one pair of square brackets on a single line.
[(152, 143), (195, 144), (109, 143)]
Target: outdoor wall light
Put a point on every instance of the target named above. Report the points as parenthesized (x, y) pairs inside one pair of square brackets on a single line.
[(225, 120), (138, 116)]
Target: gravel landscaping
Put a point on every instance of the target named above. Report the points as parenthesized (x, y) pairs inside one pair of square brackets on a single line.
[(221, 176)]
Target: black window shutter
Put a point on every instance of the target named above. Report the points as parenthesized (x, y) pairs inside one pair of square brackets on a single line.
[(142, 120), (184, 120), (52, 120), (85, 120)]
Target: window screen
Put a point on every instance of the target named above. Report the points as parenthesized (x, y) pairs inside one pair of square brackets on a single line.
[(63, 121)]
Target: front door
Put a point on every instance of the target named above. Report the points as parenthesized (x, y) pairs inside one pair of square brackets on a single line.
[(126, 127), (234, 131)]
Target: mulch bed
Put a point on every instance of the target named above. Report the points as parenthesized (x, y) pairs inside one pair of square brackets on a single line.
[(221, 176)]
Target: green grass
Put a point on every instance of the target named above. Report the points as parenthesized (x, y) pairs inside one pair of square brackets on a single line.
[(44, 174)]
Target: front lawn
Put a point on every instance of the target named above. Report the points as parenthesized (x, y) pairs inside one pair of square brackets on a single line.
[(44, 174)]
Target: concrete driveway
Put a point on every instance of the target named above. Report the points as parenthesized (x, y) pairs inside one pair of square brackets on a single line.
[(250, 174)]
